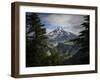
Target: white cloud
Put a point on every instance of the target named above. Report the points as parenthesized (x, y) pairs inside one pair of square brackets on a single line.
[(64, 19), (68, 22)]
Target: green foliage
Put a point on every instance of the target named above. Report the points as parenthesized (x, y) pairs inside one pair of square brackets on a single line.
[(37, 45), (56, 58), (84, 36), (83, 40)]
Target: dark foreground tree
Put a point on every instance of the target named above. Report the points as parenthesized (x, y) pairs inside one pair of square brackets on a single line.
[(36, 44), (82, 56), (37, 51)]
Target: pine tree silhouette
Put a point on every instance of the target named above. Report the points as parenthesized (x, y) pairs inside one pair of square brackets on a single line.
[(82, 56), (36, 44)]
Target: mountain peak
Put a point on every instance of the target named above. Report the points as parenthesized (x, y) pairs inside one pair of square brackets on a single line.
[(59, 34), (59, 28)]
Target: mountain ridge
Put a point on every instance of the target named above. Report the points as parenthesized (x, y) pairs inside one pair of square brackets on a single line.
[(60, 35)]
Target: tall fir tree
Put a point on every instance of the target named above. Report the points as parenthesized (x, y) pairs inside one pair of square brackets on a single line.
[(84, 40), (84, 35), (36, 44), (82, 56)]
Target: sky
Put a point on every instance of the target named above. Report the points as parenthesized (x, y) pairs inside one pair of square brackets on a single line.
[(68, 22)]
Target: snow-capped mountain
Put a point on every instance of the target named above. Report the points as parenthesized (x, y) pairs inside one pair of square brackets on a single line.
[(60, 35), (60, 39)]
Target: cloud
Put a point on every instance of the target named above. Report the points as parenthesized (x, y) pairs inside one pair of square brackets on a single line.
[(68, 22)]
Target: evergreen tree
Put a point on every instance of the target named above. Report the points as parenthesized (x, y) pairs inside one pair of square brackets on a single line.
[(82, 56), (84, 40), (54, 58), (36, 44)]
